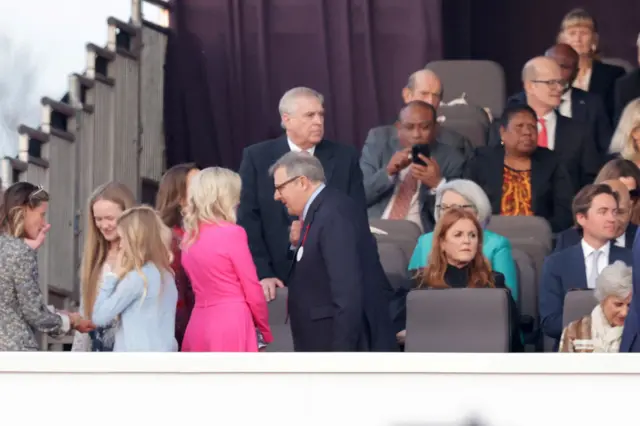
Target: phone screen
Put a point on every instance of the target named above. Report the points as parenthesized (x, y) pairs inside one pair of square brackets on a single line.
[(420, 149)]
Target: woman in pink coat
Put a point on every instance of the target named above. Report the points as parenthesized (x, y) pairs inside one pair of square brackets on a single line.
[(229, 301)]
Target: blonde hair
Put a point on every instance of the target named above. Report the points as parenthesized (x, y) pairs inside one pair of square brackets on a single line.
[(96, 247), (15, 201), (621, 142), (579, 18), (213, 196), (144, 238)]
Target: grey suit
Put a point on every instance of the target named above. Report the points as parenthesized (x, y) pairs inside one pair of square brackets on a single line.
[(382, 142)]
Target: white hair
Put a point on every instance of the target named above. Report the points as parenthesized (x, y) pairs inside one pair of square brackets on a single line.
[(621, 142), (213, 195), (471, 192), (299, 164), (288, 101), (614, 280)]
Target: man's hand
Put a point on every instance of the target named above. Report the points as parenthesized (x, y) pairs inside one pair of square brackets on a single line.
[(399, 161), (428, 175), (269, 286), (39, 239), (294, 233)]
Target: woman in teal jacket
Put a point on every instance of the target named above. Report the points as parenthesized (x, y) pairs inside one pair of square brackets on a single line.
[(466, 194)]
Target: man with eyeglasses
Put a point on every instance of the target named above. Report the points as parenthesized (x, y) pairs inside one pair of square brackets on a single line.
[(272, 233), (583, 106), (569, 138)]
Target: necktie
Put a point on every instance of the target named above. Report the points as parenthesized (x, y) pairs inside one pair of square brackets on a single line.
[(403, 198), (543, 140), (591, 280)]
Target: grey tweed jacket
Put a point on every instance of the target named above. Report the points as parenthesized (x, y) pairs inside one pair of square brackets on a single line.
[(22, 307)]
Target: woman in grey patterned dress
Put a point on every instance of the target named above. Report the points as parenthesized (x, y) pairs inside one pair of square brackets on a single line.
[(104, 207), (22, 308)]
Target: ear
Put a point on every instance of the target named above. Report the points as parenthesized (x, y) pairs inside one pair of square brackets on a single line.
[(581, 219), (502, 131), (407, 96)]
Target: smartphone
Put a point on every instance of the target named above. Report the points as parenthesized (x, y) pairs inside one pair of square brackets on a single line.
[(420, 149)]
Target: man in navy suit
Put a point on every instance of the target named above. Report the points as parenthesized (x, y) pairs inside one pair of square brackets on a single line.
[(630, 341), (625, 231), (594, 209), (339, 296), (582, 106), (267, 223)]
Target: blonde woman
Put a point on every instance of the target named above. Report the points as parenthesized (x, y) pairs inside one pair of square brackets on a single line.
[(229, 301), (601, 331), (626, 138), (104, 207), (580, 30), (22, 307), (140, 290)]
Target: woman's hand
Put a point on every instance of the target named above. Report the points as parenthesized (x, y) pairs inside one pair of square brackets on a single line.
[(80, 324), (39, 239)]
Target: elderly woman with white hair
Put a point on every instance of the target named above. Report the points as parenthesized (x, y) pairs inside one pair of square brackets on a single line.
[(467, 195), (601, 331)]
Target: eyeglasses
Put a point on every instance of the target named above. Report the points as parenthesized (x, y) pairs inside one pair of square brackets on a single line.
[(280, 187), (445, 207), (550, 83)]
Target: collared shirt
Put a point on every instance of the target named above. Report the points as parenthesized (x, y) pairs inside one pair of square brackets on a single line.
[(589, 252), (310, 200), (414, 207), (295, 148), (550, 120), (621, 241), (565, 106)]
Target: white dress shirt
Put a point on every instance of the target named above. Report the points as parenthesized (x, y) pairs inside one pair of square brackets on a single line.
[(565, 106), (589, 252), (295, 148), (550, 120), (621, 241)]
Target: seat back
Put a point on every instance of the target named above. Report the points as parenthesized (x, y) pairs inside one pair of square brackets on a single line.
[(280, 329), (523, 227), (577, 303), (622, 63), (403, 233), (483, 82), (458, 320), (527, 283), (395, 263), (468, 120)]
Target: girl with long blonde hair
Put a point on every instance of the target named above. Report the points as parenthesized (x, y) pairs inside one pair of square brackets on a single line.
[(229, 301), (101, 240), (140, 290)]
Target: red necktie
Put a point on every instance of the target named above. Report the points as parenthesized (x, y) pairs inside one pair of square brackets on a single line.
[(543, 140)]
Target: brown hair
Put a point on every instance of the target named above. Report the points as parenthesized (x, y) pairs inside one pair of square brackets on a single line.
[(96, 248), (172, 190), (621, 168), (584, 198), (480, 275), (15, 200)]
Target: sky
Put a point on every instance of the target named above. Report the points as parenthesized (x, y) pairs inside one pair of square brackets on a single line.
[(48, 38)]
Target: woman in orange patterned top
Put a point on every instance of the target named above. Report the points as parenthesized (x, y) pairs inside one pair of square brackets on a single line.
[(520, 178)]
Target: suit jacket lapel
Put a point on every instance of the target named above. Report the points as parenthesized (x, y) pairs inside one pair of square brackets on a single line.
[(578, 106), (630, 235), (325, 154), (580, 267), (537, 180), (306, 227), (561, 136)]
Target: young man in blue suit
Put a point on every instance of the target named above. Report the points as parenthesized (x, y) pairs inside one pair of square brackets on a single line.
[(339, 296), (594, 209)]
